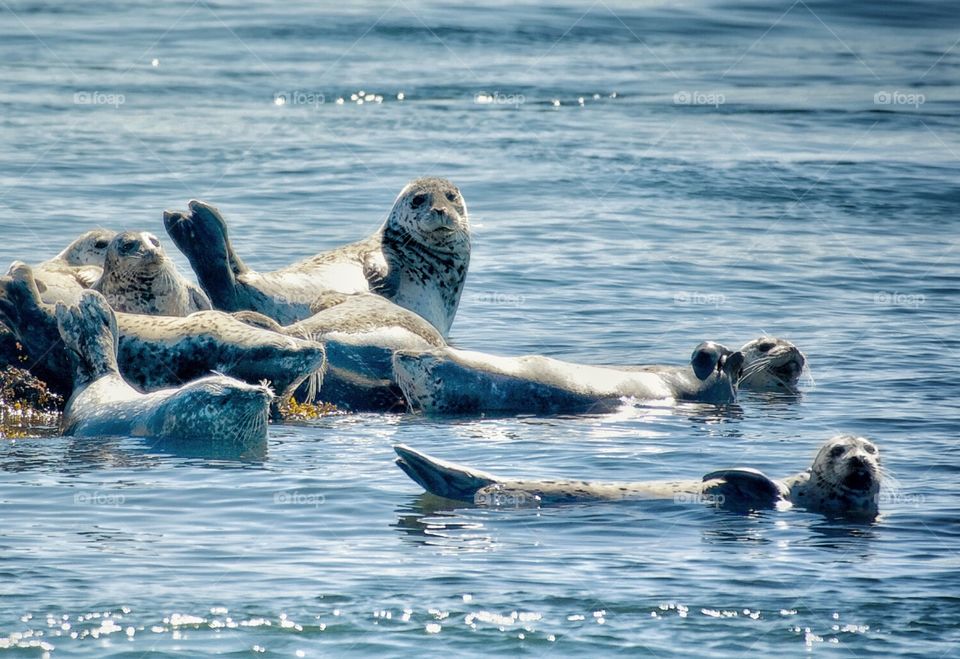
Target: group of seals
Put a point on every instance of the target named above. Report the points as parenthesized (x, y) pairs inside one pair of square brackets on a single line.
[(364, 326), (843, 481), (161, 351), (214, 407)]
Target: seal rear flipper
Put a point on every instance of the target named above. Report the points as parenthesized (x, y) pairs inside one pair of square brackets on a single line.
[(201, 234), (743, 488), (444, 479)]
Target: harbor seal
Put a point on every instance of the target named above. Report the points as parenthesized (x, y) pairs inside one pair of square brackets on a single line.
[(451, 381), (215, 409), (771, 364), (77, 267), (361, 332), (843, 481), (163, 351), (139, 277), (418, 260)]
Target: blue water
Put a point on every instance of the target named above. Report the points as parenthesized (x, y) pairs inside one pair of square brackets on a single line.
[(735, 168)]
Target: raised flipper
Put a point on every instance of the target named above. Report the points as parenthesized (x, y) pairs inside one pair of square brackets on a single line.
[(444, 479), (201, 234), (742, 488)]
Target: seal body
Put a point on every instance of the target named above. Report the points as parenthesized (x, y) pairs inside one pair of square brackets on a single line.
[(138, 277), (77, 267), (162, 351), (451, 381), (361, 334), (214, 409), (418, 259), (843, 481)]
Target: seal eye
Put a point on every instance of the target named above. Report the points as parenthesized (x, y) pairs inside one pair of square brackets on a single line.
[(451, 196), (154, 242), (870, 448), (418, 200), (127, 247), (765, 346), (837, 451), (101, 244)]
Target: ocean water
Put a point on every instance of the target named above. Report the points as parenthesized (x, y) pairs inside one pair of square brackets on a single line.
[(734, 168)]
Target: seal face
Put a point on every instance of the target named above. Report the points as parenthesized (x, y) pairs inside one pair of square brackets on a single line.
[(843, 481), (213, 409), (418, 259), (771, 364), (138, 277), (451, 381)]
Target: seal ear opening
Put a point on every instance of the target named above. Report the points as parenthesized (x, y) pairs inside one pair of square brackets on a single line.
[(704, 359)]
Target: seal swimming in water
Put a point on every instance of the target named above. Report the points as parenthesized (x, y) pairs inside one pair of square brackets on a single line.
[(843, 481), (418, 260), (451, 381), (214, 409), (163, 351), (139, 277), (771, 364), (361, 333)]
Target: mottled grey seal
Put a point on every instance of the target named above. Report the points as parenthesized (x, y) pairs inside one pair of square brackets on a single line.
[(77, 267), (843, 481), (163, 351), (215, 409), (418, 259), (361, 333), (138, 277), (451, 381), (771, 364)]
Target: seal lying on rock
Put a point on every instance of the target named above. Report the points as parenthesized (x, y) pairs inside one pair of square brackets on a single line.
[(361, 333), (138, 277), (451, 381), (843, 481), (418, 260), (162, 351), (212, 409), (79, 266)]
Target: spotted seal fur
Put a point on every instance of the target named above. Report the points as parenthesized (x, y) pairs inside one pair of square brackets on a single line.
[(843, 481), (216, 409), (451, 381), (361, 333), (418, 260), (139, 277), (163, 351)]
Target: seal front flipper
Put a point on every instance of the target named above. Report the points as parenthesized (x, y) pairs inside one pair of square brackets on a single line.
[(742, 488), (444, 479)]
